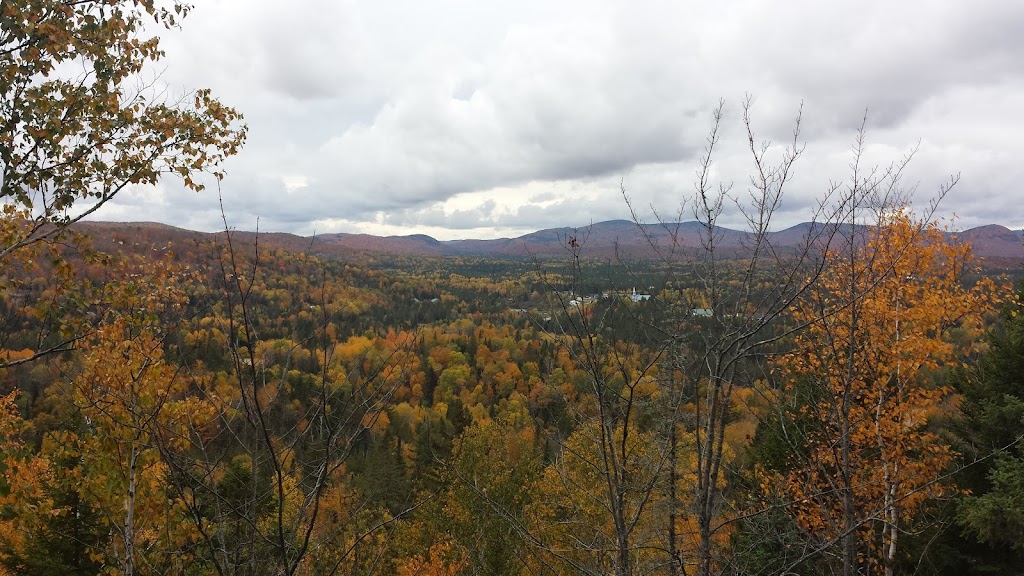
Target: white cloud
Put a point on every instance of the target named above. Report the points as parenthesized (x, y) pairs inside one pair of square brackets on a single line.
[(473, 119)]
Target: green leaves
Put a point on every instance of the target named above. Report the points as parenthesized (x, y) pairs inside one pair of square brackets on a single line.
[(992, 433), (997, 517)]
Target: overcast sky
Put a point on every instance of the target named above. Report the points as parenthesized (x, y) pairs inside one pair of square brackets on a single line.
[(482, 119)]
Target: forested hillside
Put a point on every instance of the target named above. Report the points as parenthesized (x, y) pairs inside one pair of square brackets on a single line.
[(848, 401), (221, 406)]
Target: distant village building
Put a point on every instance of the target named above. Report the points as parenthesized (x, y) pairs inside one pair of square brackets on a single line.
[(632, 295), (639, 297), (702, 312)]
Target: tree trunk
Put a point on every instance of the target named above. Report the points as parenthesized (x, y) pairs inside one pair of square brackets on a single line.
[(128, 567), (849, 517), (673, 566)]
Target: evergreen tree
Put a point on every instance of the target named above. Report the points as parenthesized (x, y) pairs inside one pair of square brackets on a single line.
[(992, 515)]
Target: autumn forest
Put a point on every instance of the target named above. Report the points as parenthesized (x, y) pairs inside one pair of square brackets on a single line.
[(239, 403)]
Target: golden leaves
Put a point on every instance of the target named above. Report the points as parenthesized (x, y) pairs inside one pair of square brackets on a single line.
[(886, 317), (444, 558)]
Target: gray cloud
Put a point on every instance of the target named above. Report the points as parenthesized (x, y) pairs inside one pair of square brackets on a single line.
[(468, 117)]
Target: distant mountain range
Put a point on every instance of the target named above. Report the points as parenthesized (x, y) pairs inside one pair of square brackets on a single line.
[(604, 239)]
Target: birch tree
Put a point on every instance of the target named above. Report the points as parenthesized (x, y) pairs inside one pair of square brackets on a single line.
[(872, 461)]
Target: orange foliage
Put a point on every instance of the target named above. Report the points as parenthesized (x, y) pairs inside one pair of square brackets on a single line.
[(872, 359), (442, 559)]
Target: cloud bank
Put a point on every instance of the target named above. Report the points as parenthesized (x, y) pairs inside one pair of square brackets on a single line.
[(462, 119)]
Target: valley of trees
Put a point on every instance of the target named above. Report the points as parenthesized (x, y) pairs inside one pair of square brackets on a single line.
[(213, 406), (185, 403)]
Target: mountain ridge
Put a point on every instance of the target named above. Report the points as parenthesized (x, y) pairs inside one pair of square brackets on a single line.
[(620, 238)]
